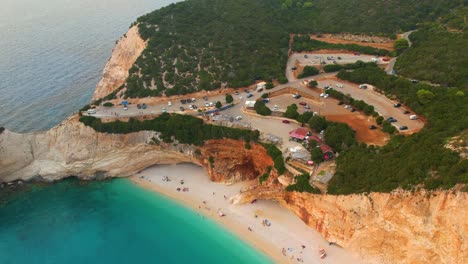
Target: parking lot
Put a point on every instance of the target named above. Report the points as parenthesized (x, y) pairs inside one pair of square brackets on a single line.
[(383, 105), (317, 59)]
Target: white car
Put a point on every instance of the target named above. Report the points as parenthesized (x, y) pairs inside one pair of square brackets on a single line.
[(322, 132), (164, 110), (190, 107), (326, 96), (207, 104), (339, 85), (275, 107), (169, 103), (413, 117), (347, 106), (193, 100), (322, 94), (238, 117), (211, 103), (125, 108)]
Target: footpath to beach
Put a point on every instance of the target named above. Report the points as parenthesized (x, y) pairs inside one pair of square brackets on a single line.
[(286, 240)]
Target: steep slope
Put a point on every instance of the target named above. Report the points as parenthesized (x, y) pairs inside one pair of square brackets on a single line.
[(124, 55)]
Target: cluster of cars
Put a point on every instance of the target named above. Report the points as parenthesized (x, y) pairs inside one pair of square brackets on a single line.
[(190, 100), (141, 106)]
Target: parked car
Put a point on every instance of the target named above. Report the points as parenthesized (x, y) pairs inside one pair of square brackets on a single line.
[(266, 100), (372, 127), (238, 118), (294, 68), (190, 107), (391, 120), (125, 108), (326, 96), (275, 107), (247, 91), (413, 117), (397, 105), (353, 110), (144, 106), (339, 85), (183, 101), (182, 109), (306, 107), (362, 86), (406, 112), (322, 94), (303, 103), (403, 128), (207, 104), (169, 103), (236, 92), (347, 106), (139, 106), (260, 89), (211, 104), (340, 103), (305, 56), (249, 95), (205, 98), (164, 110), (286, 121)]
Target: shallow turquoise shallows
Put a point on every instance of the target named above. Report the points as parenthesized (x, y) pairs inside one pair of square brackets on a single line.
[(110, 222)]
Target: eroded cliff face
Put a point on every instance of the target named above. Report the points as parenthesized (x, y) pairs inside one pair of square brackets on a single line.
[(72, 149), (124, 55), (398, 227), (233, 162)]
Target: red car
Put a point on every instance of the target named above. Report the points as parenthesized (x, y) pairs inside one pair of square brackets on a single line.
[(286, 121), (303, 103), (385, 59)]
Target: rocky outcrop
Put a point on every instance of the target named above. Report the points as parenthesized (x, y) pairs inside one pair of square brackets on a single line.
[(398, 227), (124, 55), (229, 161), (72, 149)]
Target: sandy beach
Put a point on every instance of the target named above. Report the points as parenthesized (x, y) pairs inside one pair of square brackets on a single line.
[(286, 240)]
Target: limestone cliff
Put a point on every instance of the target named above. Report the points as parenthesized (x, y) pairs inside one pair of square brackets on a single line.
[(72, 149), (124, 54), (398, 227)]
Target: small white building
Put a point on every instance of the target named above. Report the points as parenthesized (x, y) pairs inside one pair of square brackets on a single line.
[(261, 85), (249, 104)]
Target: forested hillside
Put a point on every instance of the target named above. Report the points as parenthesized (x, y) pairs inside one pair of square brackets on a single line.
[(204, 44), (419, 159), (441, 45)]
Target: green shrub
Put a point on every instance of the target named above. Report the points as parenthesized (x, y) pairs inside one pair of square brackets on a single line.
[(291, 112), (108, 104), (265, 175), (302, 185), (229, 98), (308, 71), (262, 109)]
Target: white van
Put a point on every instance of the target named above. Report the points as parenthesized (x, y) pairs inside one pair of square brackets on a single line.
[(91, 111), (413, 117), (238, 118)]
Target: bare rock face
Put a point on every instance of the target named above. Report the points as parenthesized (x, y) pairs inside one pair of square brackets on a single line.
[(233, 162), (72, 149), (398, 227), (124, 55)]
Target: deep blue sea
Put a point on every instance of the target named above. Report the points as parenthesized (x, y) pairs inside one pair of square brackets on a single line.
[(110, 222), (52, 53)]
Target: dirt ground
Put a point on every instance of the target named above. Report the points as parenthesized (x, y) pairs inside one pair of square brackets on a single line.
[(360, 123), (337, 40)]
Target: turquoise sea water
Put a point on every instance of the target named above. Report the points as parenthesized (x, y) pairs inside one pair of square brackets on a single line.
[(113, 221)]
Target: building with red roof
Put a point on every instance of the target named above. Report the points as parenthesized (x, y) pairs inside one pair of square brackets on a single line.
[(299, 133), (327, 151)]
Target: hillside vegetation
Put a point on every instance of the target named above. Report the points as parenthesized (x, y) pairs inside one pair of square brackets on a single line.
[(205, 44), (407, 161), (443, 50)]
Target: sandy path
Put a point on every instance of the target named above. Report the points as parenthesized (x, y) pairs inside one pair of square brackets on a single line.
[(286, 230)]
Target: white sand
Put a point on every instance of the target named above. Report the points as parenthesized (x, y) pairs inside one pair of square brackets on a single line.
[(286, 230)]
